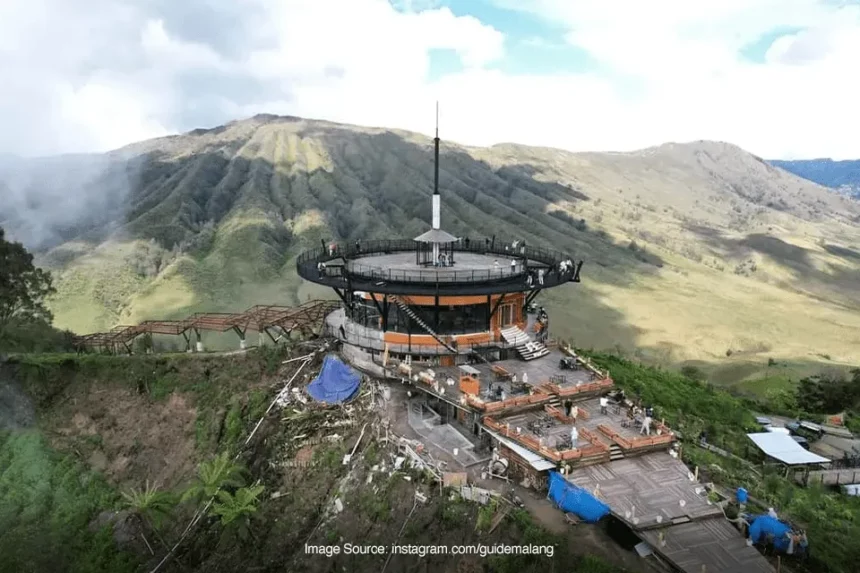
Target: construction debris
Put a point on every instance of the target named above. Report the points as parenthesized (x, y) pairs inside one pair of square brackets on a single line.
[(455, 479), (477, 494), (348, 457)]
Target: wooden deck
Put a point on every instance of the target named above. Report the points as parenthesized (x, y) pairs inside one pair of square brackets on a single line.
[(654, 495), (647, 491), (712, 545), (829, 477)]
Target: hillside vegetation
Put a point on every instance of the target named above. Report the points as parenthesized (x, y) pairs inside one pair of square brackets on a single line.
[(693, 252), (116, 456)]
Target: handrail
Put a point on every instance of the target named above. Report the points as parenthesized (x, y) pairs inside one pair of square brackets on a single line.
[(448, 275)]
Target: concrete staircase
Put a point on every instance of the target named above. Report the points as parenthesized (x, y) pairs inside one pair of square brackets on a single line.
[(615, 452), (524, 345)]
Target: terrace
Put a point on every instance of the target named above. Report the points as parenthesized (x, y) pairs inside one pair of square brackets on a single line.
[(544, 428), (546, 381)]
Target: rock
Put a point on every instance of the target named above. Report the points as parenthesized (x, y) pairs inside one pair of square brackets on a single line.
[(125, 526)]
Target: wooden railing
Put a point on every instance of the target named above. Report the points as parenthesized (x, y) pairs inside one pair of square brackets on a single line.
[(596, 386), (594, 449), (664, 437)]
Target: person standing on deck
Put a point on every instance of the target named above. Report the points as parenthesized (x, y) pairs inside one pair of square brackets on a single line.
[(513, 266), (574, 437), (540, 276), (574, 412), (604, 403), (646, 426), (567, 406), (525, 377)]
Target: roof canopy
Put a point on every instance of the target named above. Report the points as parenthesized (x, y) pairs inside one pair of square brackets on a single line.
[(785, 449), (537, 462), (436, 236)]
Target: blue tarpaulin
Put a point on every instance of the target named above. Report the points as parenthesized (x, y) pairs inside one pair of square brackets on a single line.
[(336, 382), (572, 499), (763, 525)]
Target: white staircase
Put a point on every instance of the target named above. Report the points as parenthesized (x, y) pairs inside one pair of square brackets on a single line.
[(525, 346)]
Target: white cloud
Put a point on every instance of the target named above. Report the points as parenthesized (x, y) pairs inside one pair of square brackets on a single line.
[(106, 73)]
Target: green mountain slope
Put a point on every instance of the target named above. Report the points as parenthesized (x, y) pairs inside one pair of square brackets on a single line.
[(692, 250)]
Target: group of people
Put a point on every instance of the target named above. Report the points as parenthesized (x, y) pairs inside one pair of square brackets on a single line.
[(571, 411), (535, 278), (643, 416)]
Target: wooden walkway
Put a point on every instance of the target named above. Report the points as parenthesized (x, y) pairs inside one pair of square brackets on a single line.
[(656, 497), (712, 545), (829, 477), (647, 491)]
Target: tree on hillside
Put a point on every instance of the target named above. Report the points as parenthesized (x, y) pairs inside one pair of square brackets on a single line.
[(23, 286), (829, 393)]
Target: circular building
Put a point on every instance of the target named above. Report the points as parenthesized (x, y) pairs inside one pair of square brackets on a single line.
[(437, 295)]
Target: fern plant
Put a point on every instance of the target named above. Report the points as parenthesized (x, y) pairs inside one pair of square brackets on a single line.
[(236, 509), (149, 504), (212, 475)]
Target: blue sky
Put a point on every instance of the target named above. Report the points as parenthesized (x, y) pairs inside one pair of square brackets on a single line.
[(532, 45), (755, 51)]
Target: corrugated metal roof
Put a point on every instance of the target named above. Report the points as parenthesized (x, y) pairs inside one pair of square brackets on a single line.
[(534, 460), (785, 449)]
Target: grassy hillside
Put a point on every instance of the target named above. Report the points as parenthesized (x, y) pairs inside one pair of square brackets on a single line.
[(105, 425), (694, 252)]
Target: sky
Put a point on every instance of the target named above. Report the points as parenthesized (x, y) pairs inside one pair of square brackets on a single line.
[(776, 77)]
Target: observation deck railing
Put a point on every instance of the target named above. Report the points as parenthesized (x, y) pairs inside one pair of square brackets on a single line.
[(545, 258)]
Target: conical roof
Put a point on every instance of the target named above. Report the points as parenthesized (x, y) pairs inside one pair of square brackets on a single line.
[(436, 236)]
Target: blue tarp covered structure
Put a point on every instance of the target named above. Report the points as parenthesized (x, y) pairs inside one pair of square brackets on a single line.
[(763, 525), (572, 499), (336, 383)]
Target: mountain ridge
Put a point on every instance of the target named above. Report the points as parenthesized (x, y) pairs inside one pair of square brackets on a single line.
[(841, 175), (213, 220)]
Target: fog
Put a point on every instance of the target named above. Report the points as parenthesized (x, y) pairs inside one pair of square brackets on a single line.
[(47, 201)]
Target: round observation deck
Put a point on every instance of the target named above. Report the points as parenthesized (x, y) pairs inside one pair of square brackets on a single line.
[(390, 267)]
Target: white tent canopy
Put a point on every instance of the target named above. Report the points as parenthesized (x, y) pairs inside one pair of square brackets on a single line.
[(783, 448)]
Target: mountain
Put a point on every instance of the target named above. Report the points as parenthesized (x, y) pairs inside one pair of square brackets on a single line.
[(844, 176), (692, 251)]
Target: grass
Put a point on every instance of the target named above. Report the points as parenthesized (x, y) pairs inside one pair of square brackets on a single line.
[(47, 503)]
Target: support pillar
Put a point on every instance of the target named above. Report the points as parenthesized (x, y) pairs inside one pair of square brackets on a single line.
[(385, 310), (242, 343)]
